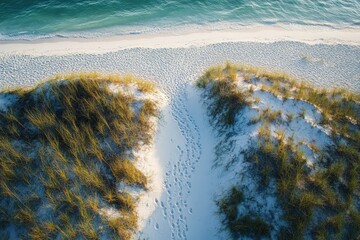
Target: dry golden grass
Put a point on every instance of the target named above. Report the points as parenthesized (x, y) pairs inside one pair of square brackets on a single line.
[(331, 190), (74, 132), (41, 119), (25, 216), (124, 170), (227, 99), (246, 225)]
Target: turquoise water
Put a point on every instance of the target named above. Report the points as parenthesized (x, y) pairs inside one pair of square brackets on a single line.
[(25, 18)]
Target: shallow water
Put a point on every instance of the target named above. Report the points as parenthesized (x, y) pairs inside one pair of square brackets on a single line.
[(48, 18)]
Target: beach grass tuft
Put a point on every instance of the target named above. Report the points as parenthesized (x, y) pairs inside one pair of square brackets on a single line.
[(246, 225)]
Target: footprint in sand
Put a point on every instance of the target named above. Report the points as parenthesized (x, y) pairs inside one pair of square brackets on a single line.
[(156, 226), (190, 211)]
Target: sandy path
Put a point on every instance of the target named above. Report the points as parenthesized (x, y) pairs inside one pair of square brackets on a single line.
[(186, 208)]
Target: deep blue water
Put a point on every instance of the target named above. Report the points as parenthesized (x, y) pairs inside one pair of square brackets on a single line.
[(24, 18)]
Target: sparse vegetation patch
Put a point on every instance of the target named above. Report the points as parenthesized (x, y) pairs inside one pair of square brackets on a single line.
[(248, 225)]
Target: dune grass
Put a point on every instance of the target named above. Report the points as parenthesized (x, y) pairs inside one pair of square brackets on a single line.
[(246, 225), (321, 202), (65, 146), (227, 99)]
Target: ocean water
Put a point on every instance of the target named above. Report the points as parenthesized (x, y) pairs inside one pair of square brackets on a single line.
[(23, 19)]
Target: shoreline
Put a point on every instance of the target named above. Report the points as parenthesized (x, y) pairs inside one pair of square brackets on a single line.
[(179, 39)]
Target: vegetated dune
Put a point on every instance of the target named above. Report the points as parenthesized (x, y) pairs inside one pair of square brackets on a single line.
[(294, 151), (67, 156)]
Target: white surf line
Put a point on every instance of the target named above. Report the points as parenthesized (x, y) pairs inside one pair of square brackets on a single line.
[(181, 39)]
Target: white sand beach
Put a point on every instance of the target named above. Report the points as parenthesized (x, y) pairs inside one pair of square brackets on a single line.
[(181, 38), (183, 206)]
